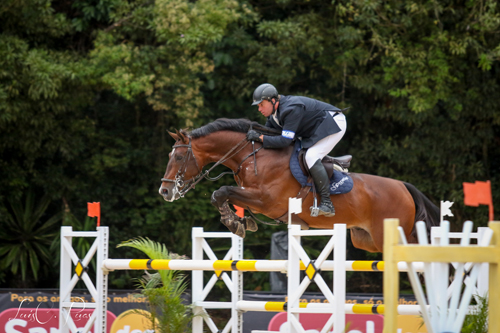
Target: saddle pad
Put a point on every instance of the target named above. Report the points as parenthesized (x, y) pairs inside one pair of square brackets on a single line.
[(340, 182)]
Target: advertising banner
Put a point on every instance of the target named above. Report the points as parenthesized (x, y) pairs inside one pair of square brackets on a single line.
[(37, 311)]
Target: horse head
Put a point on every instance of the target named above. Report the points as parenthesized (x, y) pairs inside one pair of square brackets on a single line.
[(182, 168)]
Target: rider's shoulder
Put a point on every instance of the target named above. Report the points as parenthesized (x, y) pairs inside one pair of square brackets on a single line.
[(291, 101)]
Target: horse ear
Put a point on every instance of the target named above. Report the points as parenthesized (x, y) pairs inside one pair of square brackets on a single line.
[(183, 136), (174, 135)]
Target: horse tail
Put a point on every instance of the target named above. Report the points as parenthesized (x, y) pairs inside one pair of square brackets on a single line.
[(425, 210)]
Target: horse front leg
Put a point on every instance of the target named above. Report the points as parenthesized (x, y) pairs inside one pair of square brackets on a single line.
[(237, 225)]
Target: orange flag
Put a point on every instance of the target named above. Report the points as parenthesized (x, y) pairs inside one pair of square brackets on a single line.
[(239, 211), (94, 210), (479, 193)]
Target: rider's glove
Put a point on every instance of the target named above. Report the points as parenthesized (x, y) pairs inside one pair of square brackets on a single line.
[(253, 136)]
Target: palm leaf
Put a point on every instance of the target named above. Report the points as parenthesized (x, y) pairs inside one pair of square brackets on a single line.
[(153, 250), (164, 290), (50, 223), (25, 237)]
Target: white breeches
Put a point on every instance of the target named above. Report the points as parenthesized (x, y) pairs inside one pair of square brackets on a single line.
[(321, 148)]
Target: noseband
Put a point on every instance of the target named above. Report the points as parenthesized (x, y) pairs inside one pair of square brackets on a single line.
[(181, 187)]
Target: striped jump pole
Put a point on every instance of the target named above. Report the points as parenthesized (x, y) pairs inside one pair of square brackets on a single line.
[(243, 265), (326, 308)]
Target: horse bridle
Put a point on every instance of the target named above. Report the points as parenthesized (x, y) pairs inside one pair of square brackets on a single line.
[(179, 181), (180, 185)]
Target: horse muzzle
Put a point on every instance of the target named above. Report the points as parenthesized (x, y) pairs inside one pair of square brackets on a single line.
[(169, 194)]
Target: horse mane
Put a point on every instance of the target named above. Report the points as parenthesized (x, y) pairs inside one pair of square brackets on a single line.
[(236, 125)]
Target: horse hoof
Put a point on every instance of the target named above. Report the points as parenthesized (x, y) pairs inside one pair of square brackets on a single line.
[(230, 226), (240, 231), (250, 224)]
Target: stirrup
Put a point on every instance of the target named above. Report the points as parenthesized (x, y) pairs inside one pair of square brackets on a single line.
[(316, 211), (314, 208)]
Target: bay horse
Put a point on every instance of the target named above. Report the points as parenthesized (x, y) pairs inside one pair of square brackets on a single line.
[(265, 183)]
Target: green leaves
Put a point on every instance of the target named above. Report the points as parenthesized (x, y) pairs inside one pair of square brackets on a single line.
[(163, 60), (26, 235), (164, 290), (36, 18), (193, 24)]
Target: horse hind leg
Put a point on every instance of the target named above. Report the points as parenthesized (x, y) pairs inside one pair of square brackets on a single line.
[(361, 239)]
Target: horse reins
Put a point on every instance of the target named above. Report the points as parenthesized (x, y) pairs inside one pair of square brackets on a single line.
[(179, 181)]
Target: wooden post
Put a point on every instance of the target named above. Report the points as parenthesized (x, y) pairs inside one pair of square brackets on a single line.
[(494, 288), (391, 276)]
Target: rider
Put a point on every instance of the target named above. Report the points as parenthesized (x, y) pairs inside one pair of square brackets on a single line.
[(319, 125)]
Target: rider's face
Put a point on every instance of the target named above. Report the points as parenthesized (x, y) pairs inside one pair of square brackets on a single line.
[(266, 108)]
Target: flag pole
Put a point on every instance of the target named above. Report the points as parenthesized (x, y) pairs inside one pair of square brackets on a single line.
[(441, 213), (490, 204)]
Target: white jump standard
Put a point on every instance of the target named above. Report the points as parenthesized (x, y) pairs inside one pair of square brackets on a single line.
[(230, 270)]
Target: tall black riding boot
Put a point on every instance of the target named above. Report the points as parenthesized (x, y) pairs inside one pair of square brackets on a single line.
[(322, 183)]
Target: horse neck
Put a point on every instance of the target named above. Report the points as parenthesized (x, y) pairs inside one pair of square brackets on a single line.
[(213, 147)]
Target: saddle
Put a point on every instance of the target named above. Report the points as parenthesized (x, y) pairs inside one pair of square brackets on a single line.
[(336, 168), (340, 163), (340, 180)]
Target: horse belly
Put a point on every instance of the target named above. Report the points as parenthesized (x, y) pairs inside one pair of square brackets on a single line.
[(372, 200)]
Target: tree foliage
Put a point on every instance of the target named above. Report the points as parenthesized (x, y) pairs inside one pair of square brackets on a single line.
[(88, 89)]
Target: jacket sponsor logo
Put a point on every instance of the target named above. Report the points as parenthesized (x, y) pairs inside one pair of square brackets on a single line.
[(288, 134)]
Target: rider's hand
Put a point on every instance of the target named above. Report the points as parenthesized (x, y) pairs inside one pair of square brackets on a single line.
[(253, 136)]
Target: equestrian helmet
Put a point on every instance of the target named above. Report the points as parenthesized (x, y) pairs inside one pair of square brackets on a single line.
[(265, 91)]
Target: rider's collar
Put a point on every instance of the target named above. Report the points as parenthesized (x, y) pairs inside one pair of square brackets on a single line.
[(275, 117)]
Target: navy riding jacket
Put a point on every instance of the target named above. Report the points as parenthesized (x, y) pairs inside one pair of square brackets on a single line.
[(301, 117)]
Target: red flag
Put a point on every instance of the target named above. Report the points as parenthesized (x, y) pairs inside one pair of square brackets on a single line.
[(479, 193), (94, 210), (239, 211)]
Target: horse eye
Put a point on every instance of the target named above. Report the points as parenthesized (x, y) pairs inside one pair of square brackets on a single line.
[(178, 158)]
